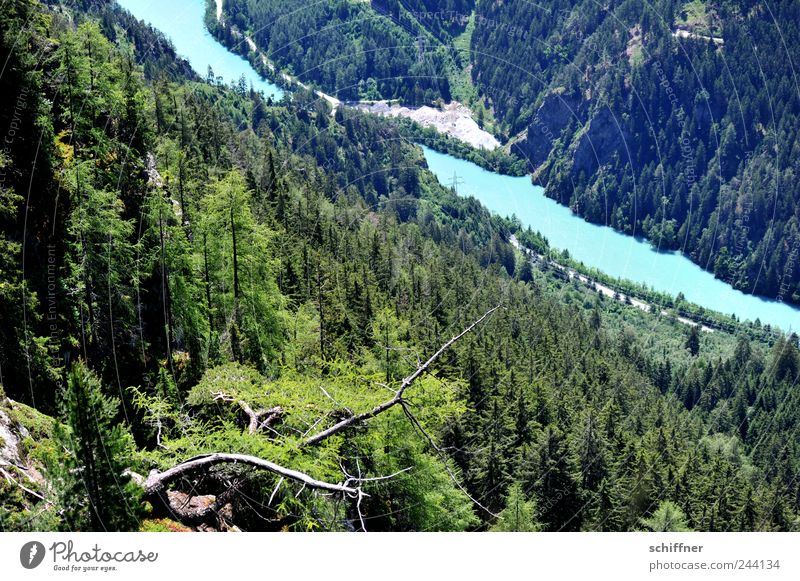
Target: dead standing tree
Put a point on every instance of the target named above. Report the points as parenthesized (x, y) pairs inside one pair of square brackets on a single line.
[(157, 483)]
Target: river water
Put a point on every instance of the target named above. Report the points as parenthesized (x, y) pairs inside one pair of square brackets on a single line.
[(597, 246), (604, 248), (182, 21)]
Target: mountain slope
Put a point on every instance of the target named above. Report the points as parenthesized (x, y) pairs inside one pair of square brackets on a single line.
[(636, 117), (252, 276)]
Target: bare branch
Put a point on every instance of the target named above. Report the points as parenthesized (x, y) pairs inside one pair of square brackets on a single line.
[(377, 478), (358, 510), (256, 423), (255, 417), (351, 478), (221, 396), (157, 481), (329, 396), (275, 490), (398, 397), (24, 488), (442, 454), (338, 427), (273, 414)]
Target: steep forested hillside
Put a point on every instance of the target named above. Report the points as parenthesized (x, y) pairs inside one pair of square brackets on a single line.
[(228, 305), (348, 49), (673, 120), (678, 121)]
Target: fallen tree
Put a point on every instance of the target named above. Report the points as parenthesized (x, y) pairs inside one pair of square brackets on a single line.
[(157, 483)]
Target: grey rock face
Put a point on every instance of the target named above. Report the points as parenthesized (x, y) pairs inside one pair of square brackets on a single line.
[(603, 137), (551, 119)]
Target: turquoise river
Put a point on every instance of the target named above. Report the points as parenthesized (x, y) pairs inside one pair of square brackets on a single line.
[(596, 246)]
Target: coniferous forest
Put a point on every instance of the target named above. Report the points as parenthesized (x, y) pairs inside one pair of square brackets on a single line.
[(221, 311), (672, 120)]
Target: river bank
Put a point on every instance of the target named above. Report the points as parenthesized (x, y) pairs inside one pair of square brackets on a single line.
[(570, 273), (600, 248), (604, 250), (453, 119)]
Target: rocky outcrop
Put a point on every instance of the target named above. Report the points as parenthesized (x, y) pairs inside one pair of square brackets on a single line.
[(552, 117), (594, 144), (598, 141), (22, 429), (206, 512), (154, 179), (453, 119), (10, 436)]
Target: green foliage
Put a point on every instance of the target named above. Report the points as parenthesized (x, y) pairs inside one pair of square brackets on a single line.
[(159, 410), (236, 249), (245, 301), (422, 498), (550, 473), (89, 478), (22, 507), (27, 132), (668, 517), (352, 48), (20, 511), (497, 160), (693, 341), (658, 107), (162, 525), (233, 379), (519, 515)]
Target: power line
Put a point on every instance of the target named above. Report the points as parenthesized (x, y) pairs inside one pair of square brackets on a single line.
[(455, 182)]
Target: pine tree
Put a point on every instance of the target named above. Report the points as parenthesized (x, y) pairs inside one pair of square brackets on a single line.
[(591, 455), (548, 471)]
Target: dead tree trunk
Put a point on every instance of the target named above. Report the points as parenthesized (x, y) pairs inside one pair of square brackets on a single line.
[(157, 481)]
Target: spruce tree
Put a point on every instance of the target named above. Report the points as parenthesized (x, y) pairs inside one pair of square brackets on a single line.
[(519, 515), (93, 491), (668, 517), (693, 341), (548, 471)]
